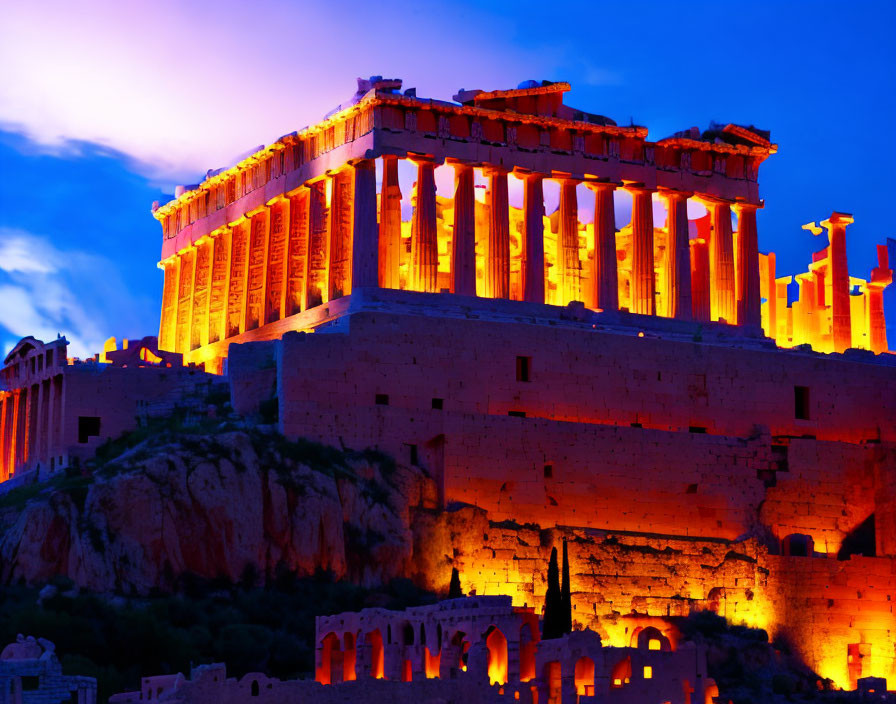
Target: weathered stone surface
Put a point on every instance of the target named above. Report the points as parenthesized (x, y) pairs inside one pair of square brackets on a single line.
[(213, 508)]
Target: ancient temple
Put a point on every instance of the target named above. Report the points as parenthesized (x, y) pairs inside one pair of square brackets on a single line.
[(323, 212)]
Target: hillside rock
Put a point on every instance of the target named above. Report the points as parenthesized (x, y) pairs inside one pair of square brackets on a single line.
[(219, 506)]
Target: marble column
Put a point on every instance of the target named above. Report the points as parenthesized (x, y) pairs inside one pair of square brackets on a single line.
[(748, 302), (700, 303), (568, 244), (771, 298), (533, 248), (721, 264), (840, 313), (677, 271), (463, 243), (365, 240), (424, 242), (604, 277), (390, 225), (497, 272), (4, 472), (642, 282), (881, 277)]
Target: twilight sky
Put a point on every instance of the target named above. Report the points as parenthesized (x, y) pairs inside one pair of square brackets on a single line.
[(106, 105)]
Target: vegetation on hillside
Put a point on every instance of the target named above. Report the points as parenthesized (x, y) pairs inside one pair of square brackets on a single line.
[(250, 628)]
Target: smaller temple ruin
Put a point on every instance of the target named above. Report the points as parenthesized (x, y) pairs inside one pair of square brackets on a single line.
[(30, 673), (55, 411)]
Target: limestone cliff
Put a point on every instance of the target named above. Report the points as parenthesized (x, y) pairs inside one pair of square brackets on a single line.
[(215, 505)]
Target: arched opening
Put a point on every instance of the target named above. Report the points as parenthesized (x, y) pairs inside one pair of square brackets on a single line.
[(716, 599), (552, 676), (407, 671), (527, 653), (422, 634), (710, 692), (585, 676), (497, 655), (377, 662), (798, 545), (389, 634), (439, 636), (349, 655), (431, 663), (622, 673), (254, 688), (407, 634), (330, 659), (461, 645), (651, 638)]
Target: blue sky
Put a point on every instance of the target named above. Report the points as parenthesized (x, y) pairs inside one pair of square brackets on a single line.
[(106, 106)]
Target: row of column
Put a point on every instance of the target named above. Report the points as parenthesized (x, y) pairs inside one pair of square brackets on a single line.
[(734, 294), (298, 251), (30, 420), (316, 244)]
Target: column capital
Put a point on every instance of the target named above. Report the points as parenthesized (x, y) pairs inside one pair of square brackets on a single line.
[(674, 194), (838, 219), (743, 205), (493, 169), (459, 164), (712, 201), (602, 184), (420, 159), (637, 187), (526, 174)]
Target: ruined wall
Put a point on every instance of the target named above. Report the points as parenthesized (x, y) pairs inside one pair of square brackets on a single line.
[(836, 614)]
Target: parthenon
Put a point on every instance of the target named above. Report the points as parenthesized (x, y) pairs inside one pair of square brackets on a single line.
[(305, 220)]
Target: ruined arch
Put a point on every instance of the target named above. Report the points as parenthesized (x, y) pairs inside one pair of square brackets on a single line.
[(552, 676), (377, 654), (330, 659), (349, 656), (622, 672), (496, 643), (527, 653), (651, 638), (407, 634), (798, 545), (584, 676)]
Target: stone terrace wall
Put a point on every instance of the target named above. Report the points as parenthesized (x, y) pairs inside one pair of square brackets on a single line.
[(588, 375)]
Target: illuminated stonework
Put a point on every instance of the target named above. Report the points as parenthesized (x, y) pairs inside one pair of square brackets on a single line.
[(318, 213)]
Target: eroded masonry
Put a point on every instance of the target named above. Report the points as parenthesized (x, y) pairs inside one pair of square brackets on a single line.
[(649, 391)]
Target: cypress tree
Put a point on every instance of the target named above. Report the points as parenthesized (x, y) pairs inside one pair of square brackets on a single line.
[(552, 626), (454, 590), (566, 594)]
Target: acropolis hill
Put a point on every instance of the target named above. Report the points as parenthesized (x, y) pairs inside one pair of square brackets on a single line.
[(390, 278)]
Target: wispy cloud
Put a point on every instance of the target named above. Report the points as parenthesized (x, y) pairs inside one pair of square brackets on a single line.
[(184, 87), (45, 291)]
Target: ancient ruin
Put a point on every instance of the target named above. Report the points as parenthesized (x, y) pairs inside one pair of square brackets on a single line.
[(393, 278), (30, 673)]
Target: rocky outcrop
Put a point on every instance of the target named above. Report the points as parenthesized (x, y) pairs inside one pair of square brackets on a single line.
[(219, 506)]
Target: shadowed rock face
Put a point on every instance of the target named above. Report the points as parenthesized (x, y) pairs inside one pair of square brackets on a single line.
[(213, 506)]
